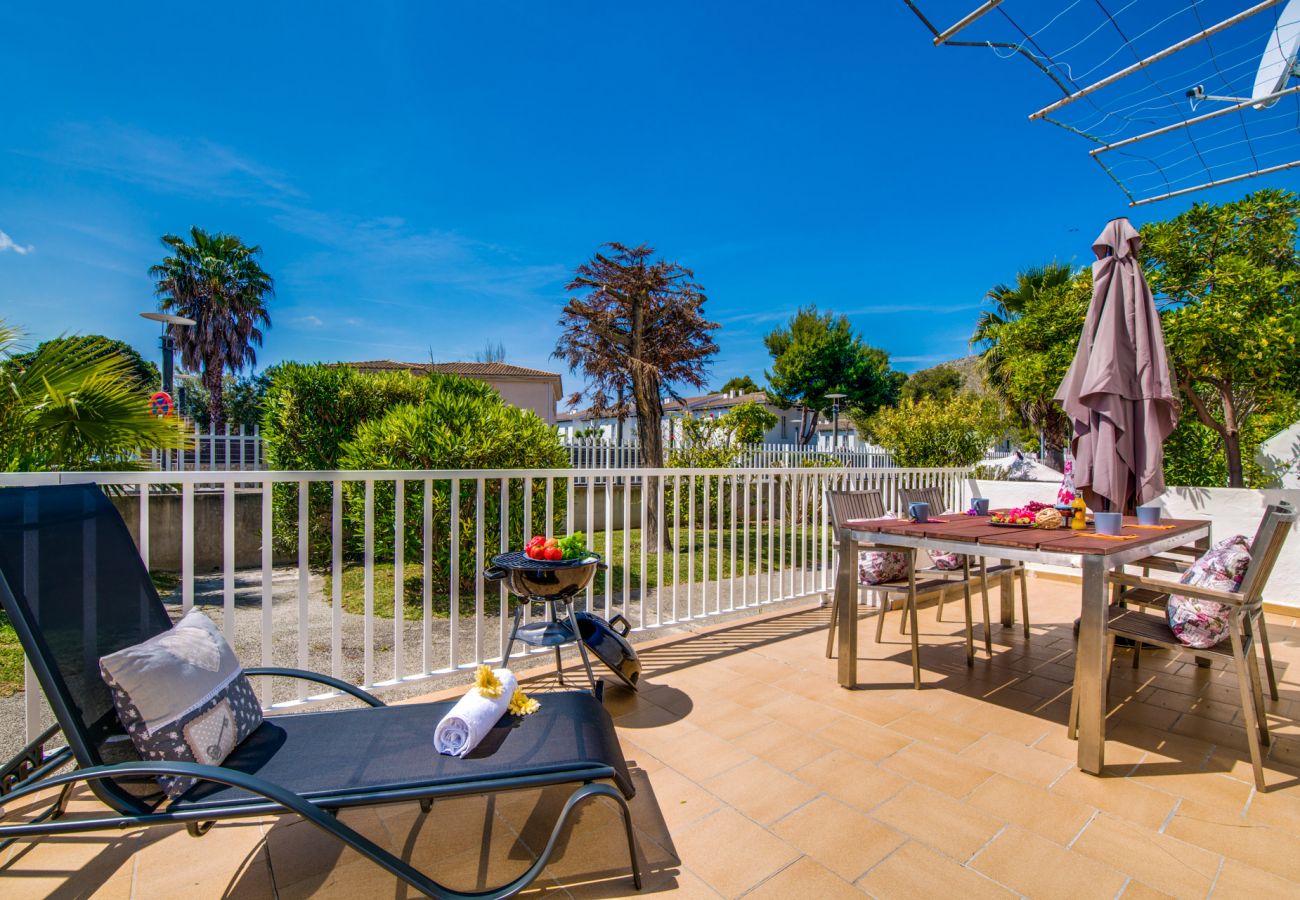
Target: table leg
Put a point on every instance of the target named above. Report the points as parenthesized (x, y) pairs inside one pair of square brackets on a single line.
[(1090, 668), (1007, 594), (846, 609)]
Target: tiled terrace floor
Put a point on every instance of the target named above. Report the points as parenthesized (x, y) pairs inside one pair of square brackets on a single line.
[(758, 776)]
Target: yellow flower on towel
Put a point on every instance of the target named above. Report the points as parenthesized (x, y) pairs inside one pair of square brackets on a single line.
[(522, 705), (489, 686)]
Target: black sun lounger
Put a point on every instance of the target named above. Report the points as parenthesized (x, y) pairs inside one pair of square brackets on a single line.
[(76, 589)]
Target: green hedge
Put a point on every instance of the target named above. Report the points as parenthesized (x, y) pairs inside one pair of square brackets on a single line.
[(461, 424), (323, 417)]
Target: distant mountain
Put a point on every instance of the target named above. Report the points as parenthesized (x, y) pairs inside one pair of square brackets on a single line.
[(971, 372)]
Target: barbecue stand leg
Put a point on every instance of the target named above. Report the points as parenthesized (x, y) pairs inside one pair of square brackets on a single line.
[(597, 691), (514, 631), (559, 662)]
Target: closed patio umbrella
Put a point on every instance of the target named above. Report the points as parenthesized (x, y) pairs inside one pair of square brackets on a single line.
[(1118, 392)]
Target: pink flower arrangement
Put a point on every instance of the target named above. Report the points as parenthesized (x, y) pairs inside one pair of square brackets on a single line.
[(1066, 492)]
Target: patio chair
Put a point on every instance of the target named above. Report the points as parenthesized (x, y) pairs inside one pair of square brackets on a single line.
[(1245, 628), (75, 589), (847, 505), (1156, 599), (980, 565)]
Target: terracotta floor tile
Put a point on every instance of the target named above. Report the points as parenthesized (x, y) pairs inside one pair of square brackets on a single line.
[(1179, 868), (943, 733), (915, 872), (1270, 849), (852, 779), (939, 821), (839, 837), (1126, 799), (752, 853), (804, 879), (675, 798), (940, 770), (869, 741), (858, 784), (236, 860), (782, 746), (1238, 880), (1037, 867), (1012, 758), (1055, 817), (1136, 890), (695, 753), (762, 792)]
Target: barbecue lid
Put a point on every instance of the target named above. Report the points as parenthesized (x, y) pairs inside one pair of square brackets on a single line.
[(517, 559)]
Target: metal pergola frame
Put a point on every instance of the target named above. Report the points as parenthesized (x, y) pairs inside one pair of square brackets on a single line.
[(943, 37)]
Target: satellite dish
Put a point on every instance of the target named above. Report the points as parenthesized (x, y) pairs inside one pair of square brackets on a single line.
[(167, 318), (1277, 65)]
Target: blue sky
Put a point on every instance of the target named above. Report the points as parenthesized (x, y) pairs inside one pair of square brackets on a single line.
[(423, 177)]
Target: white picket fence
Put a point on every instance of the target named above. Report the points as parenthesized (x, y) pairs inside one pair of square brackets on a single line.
[(597, 453), (742, 538), (236, 447), (240, 448)]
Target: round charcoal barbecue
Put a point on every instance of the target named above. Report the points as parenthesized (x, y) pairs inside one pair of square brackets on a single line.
[(552, 583)]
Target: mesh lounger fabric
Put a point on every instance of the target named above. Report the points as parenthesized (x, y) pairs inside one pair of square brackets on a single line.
[(333, 753)]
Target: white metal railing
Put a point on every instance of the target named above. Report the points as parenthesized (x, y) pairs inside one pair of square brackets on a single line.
[(347, 543), (236, 447), (598, 453)]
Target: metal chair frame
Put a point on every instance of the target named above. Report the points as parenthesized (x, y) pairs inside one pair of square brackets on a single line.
[(981, 567), (847, 505), (37, 770), (1246, 628)]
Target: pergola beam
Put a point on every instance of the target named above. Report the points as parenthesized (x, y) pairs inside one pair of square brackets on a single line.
[(1187, 123), (965, 20), (1218, 181), (1154, 58)]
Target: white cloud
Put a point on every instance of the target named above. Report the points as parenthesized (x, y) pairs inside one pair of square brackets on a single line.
[(8, 243), (313, 321), (175, 164)]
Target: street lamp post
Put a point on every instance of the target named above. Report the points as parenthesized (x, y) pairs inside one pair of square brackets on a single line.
[(168, 342), (835, 420)]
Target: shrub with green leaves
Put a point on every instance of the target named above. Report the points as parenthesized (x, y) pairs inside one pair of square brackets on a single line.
[(308, 413), (459, 424), (749, 423), (937, 432)]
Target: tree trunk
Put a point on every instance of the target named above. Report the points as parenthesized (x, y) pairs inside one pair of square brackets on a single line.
[(212, 380), (1232, 441), (808, 426), (647, 395)]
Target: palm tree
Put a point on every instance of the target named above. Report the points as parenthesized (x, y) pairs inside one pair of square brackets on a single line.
[(216, 281), (1008, 302), (75, 404)]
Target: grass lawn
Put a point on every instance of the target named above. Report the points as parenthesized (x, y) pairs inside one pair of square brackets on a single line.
[(676, 565), (11, 659)]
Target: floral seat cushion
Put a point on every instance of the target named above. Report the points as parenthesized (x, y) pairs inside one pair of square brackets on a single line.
[(1203, 623), (947, 561), (877, 566)]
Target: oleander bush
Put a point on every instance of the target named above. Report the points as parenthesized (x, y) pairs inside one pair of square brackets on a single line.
[(459, 424)]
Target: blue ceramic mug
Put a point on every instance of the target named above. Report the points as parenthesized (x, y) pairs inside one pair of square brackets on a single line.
[(1108, 522), (980, 505), (920, 512), (1148, 515)]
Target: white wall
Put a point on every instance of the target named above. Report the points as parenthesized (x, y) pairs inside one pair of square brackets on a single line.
[(1230, 510), (539, 396)]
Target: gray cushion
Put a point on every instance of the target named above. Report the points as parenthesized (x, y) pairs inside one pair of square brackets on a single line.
[(182, 696)]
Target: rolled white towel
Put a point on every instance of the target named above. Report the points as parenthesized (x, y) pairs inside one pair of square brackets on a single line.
[(473, 716)]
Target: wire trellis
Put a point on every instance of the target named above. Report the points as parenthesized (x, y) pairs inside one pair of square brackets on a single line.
[(1159, 89)]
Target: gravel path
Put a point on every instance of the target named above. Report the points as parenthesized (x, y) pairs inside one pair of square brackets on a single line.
[(208, 595)]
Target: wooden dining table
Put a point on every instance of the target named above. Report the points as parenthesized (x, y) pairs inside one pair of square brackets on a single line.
[(1095, 555)]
